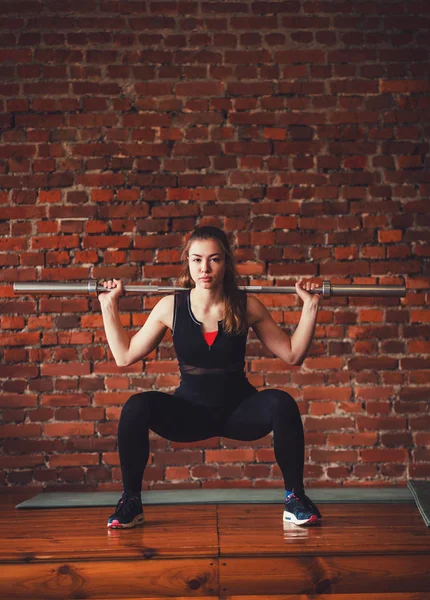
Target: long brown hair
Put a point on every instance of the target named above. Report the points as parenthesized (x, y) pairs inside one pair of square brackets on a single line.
[(234, 320)]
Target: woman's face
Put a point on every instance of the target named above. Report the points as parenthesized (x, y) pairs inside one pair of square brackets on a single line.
[(206, 262)]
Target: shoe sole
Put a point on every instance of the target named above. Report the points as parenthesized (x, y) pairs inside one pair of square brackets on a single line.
[(117, 525), (290, 518)]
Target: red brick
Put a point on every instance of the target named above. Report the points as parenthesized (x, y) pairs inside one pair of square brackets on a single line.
[(17, 400), (364, 471), (337, 456), (178, 458), (323, 393), (381, 423), (231, 472), (351, 439), (68, 429), (328, 423), (300, 56), (385, 455), (20, 462), (405, 86), (228, 456), (19, 431), (324, 363), (421, 470), (73, 460), (204, 472), (190, 89), (322, 408), (265, 455), (177, 473)]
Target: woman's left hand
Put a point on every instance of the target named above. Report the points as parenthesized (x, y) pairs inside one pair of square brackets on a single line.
[(302, 288)]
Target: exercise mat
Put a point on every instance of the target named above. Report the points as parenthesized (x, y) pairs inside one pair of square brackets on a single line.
[(421, 493), (220, 496)]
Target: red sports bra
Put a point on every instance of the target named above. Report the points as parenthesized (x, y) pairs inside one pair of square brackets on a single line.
[(210, 337)]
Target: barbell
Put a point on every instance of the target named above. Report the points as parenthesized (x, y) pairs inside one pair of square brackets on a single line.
[(92, 288)]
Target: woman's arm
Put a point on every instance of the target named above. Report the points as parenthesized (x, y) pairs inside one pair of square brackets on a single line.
[(301, 339), (292, 350), (150, 335), (128, 351)]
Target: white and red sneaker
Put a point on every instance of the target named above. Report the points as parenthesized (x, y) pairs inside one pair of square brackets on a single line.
[(128, 513), (301, 511)]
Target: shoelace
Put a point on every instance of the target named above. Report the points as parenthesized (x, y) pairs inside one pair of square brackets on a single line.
[(311, 506), (303, 499), (125, 504), (297, 498), (303, 504)]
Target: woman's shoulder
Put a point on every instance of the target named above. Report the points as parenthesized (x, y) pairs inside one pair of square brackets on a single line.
[(168, 301), (164, 310), (254, 309)]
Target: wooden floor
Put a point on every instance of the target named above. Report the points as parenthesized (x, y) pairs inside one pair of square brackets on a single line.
[(240, 552)]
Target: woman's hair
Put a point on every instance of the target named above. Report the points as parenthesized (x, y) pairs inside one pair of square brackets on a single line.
[(234, 320)]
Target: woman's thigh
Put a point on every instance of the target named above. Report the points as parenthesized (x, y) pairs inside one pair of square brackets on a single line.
[(179, 420), (254, 417)]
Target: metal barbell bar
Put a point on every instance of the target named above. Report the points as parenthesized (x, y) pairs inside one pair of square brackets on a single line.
[(92, 288)]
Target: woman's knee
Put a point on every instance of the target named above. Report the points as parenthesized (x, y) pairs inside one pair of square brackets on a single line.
[(137, 403), (283, 400)]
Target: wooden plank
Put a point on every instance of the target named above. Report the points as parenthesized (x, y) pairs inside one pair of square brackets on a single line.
[(73, 534), (250, 531), (389, 596), (110, 579), (179, 598), (328, 575), (372, 514)]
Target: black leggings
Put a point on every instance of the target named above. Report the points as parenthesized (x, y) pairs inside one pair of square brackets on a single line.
[(180, 420)]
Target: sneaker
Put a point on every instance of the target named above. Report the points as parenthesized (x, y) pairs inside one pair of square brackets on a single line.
[(301, 511), (128, 513)]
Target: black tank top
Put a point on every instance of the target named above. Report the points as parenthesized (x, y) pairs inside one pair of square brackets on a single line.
[(195, 356), (211, 375)]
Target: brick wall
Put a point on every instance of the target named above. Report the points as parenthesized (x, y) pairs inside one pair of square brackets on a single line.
[(302, 128)]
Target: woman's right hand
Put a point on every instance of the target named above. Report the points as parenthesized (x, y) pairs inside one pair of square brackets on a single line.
[(116, 290)]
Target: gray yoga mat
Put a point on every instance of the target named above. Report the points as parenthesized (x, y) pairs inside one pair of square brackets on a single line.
[(421, 493), (231, 496)]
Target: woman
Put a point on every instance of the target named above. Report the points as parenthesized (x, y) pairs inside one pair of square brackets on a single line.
[(209, 323)]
